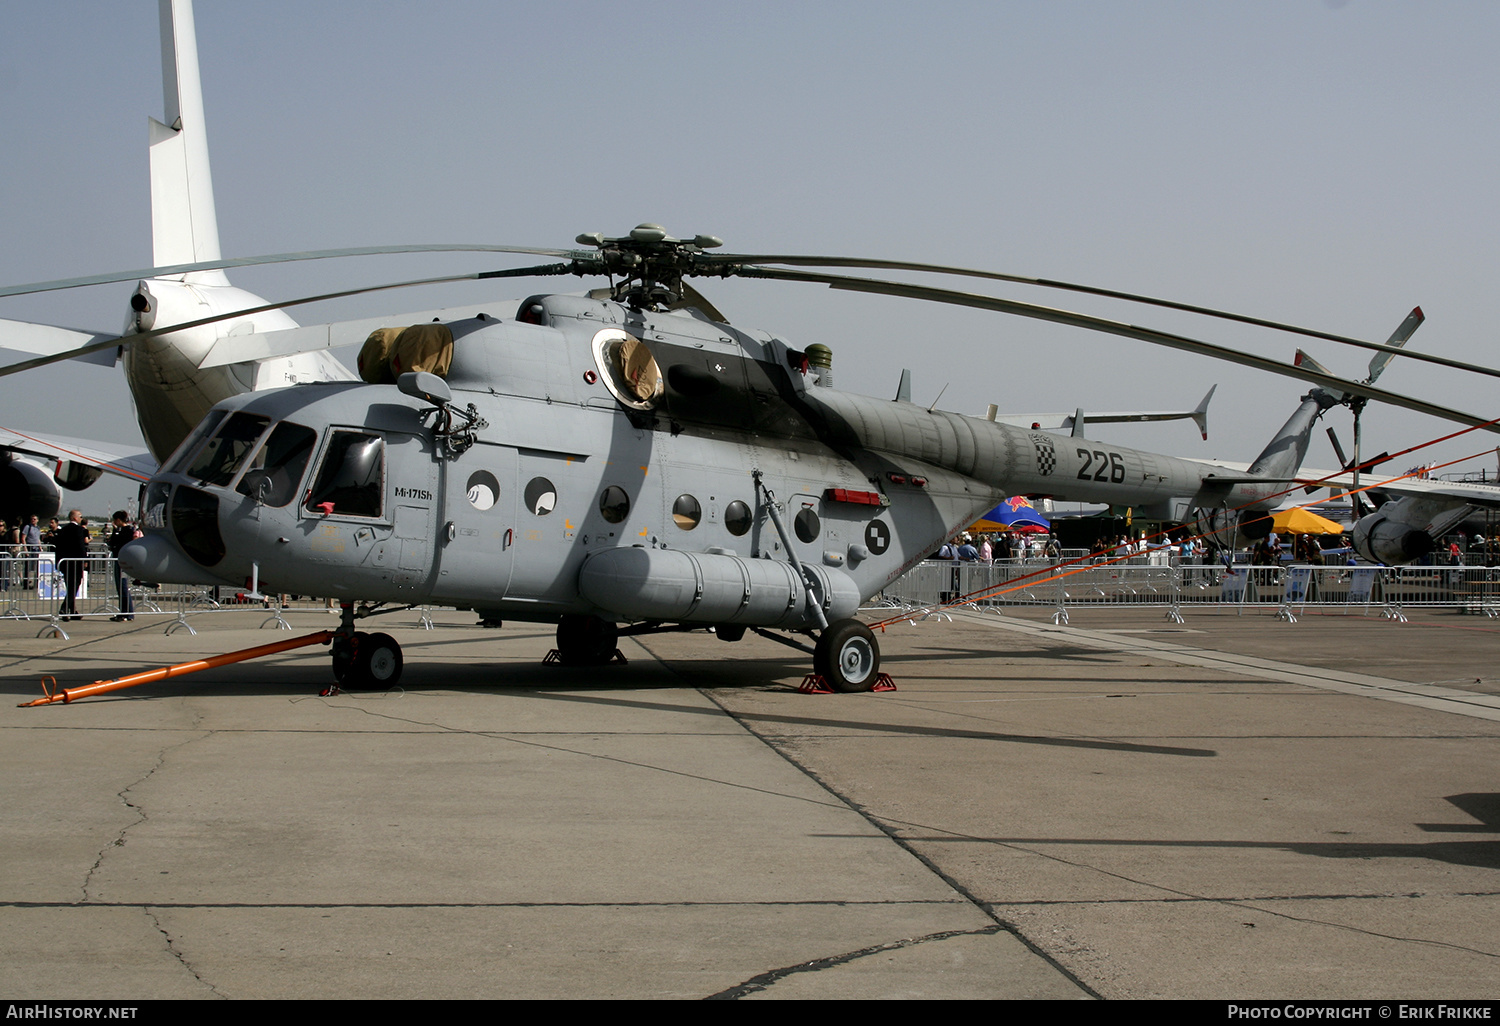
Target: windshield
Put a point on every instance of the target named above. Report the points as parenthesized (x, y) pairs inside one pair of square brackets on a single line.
[(221, 457), (184, 452)]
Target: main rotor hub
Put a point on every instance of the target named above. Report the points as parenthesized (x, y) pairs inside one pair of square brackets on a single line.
[(650, 264)]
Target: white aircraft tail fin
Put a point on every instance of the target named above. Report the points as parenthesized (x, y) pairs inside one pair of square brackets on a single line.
[(184, 225)]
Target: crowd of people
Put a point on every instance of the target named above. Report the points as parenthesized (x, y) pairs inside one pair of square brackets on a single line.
[(22, 546), (986, 548)]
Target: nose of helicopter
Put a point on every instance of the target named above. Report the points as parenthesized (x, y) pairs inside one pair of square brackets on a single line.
[(154, 558)]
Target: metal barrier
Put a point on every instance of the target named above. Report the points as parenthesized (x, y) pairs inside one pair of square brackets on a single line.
[(36, 587), (1155, 581)]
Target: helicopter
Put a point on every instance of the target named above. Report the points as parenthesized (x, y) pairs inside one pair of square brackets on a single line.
[(398, 492), (615, 458), (621, 458)]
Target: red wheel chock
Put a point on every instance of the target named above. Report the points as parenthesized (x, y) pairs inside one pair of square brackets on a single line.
[(554, 657), (815, 684)]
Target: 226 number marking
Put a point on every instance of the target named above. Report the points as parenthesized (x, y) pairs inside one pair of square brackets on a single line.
[(1111, 466)]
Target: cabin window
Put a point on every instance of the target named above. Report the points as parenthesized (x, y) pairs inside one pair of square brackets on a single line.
[(614, 504), (686, 512), (351, 481), (217, 462), (276, 468), (738, 518), (483, 491), (541, 496), (628, 369), (806, 525)]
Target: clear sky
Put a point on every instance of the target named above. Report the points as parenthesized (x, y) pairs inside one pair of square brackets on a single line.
[(1327, 164)]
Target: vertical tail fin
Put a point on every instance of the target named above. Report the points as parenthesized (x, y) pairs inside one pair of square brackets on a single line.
[(1283, 456), (184, 225)]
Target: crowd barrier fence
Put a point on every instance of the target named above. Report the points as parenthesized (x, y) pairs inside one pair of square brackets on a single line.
[(1157, 580)]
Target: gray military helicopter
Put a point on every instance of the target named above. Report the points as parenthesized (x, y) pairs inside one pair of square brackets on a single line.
[(616, 459), (628, 458)]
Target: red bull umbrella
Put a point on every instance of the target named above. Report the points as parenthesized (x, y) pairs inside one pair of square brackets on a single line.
[(1016, 513)]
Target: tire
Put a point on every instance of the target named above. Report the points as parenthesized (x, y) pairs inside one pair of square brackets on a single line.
[(375, 663), (586, 640), (379, 662), (847, 656)]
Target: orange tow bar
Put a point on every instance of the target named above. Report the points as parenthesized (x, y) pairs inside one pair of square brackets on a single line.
[(99, 687)]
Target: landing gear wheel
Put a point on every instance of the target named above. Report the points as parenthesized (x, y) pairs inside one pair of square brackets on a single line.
[(372, 661), (586, 640), (847, 656), (377, 663)]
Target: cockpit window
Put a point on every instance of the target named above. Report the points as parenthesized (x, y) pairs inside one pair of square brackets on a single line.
[(351, 481), (190, 444), (218, 461), (276, 468), (628, 368)]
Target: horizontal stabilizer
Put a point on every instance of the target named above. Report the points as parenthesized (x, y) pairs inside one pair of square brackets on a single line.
[(50, 340), (1067, 421)]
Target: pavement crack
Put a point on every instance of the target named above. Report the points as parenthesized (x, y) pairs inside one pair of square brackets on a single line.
[(176, 953), (764, 980), (139, 810), (891, 832)]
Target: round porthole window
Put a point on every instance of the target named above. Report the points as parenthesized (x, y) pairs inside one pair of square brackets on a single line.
[(806, 525), (737, 517), (614, 504), (686, 512), (540, 496), (483, 490)]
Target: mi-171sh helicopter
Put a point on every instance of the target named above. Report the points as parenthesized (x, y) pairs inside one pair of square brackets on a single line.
[(626, 459)]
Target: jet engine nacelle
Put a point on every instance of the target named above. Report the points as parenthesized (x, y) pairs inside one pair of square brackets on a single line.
[(25, 490), (1384, 538)]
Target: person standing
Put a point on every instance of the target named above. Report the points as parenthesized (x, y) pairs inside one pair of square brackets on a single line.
[(121, 533), (31, 536), (8, 550), (72, 547)]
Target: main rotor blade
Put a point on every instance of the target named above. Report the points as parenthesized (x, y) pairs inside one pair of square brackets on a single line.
[(1161, 338), (125, 340), (278, 258), (1388, 350)]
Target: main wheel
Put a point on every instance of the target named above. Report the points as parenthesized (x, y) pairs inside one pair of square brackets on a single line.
[(586, 640), (847, 656)]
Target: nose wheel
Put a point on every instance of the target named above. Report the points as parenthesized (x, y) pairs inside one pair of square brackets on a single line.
[(366, 662), (847, 656)]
